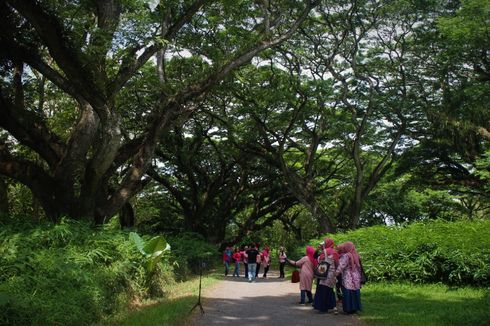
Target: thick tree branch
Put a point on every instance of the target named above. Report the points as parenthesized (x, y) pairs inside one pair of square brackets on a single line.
[(108, 12), (31, 130), (131, 63), (67, 56), (172, 108)]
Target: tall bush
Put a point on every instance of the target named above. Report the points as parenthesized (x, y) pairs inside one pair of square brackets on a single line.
[(454, 253), (71, 274), (189, 250)]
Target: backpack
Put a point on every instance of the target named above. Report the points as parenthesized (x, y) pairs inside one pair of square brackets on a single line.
[(321, 270)]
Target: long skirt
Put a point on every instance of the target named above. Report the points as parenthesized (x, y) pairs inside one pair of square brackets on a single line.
[(324, 298), (351, 301)]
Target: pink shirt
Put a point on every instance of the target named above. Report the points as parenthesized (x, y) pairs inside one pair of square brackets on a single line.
[(351, 277), (305, 273), (265, 260), (244, 257), (282, 257)]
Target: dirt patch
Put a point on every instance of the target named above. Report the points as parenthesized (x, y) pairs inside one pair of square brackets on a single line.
[(270, 301)]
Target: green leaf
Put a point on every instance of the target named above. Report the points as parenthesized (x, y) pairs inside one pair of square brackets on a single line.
[(4, 298), (155, 245), (133, 236)]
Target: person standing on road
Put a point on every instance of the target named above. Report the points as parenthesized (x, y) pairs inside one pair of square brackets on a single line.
[(350, 268), (266, 260), (252, 254), (245, 260), (324, 295), (307, 264), (282, 261), (237, 257), (227, 259), (258, 261)]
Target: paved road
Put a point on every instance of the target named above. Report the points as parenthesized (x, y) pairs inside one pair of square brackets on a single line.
[(271, 301)]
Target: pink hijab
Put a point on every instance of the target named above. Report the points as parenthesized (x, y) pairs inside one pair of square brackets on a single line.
[(310, 251), (349, 249)]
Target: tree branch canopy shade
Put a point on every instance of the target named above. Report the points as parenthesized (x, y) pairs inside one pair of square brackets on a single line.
[(85, 53)]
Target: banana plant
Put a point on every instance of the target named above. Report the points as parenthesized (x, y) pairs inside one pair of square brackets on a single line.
[(153, 250)]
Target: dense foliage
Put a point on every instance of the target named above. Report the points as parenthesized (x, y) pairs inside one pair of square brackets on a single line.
[(215, 123), (454, 253), (223, 117), (70, 274)]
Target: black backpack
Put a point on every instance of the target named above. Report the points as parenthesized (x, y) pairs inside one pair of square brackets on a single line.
[(321, 270)]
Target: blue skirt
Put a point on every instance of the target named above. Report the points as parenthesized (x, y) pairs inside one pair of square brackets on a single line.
[(324, 298), (351, 301)]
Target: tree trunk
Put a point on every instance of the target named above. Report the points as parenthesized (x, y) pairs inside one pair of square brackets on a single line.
[(305, 196), (355, 212), (4, 199), (79, 177), (126, 216)]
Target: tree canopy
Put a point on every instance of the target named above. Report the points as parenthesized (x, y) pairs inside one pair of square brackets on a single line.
[(226, 117)]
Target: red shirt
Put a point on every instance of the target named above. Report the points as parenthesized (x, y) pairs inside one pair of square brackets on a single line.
[(237, 256)]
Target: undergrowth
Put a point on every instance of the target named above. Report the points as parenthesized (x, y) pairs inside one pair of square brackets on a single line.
[(72, 273), (453, 253)]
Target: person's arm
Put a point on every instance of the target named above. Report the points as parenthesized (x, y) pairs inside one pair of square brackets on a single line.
[(342, 264), (298, 263)]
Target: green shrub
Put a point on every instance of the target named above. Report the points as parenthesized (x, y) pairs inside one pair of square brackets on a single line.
[(454, 253), (71, 273), (188, 250)]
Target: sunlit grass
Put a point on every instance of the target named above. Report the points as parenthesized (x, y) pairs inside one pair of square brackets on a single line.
[(423, 304), (173, 310), (384, 304)]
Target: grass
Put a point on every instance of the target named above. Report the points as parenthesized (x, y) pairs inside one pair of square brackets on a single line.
[(173, 310), (386, 304)]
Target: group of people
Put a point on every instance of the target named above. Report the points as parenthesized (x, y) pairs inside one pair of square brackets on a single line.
[(341, 283), (343, 277), (252, 259)]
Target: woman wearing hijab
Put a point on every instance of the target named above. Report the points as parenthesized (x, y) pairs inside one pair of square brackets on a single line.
[(307, 265), (324, 295), (266, 260), (350, 268)]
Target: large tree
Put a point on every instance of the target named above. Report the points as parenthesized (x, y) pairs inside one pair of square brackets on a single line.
[(455, 76), (213, 184), (334, 107), (86, 52)]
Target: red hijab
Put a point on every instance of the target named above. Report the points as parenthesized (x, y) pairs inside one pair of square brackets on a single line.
[(348, 248), (310, 251)]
